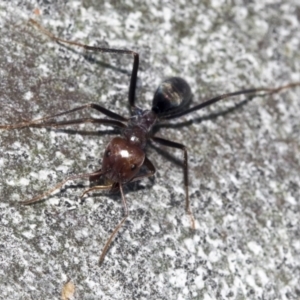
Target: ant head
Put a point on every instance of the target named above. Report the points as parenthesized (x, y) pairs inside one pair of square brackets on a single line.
[(122, 160)]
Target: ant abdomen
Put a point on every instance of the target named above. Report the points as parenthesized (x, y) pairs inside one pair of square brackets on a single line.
[(172, 95)]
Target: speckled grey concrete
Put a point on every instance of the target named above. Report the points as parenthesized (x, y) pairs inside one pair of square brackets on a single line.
[(244, 164)]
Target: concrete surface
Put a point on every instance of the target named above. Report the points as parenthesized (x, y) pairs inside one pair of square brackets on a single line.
[(244, 160)]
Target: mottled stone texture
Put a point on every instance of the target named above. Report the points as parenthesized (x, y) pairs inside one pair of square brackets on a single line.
[(244, 159)]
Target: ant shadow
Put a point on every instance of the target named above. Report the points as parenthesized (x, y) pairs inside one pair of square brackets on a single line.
[(89, 57)]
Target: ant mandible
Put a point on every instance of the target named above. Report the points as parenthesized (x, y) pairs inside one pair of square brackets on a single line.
[(125, 155)]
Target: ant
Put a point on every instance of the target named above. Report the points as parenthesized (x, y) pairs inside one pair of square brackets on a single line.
[(125, 155)]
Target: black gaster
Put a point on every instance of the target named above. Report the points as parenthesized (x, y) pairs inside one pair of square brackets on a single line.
[(172, 95)]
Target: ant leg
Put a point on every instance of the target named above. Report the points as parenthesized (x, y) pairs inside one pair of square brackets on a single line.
[(97, 107), (33, 123), (250, 92), (117, 228), (133, 79), (98, 187), (92, 105), (151, 172), (58, 186), (185, 172)]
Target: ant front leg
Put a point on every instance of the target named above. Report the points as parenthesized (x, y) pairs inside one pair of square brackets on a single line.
[(151, 172), (58, 186), (117, 228), (185, 172), (135, 67)]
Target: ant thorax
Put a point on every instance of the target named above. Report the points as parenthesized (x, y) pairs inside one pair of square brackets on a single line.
[(139, 126)]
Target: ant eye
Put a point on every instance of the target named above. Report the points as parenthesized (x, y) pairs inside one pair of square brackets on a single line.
[(133, 167), (107, 153)]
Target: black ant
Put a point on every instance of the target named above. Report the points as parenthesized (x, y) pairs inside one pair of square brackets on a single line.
[(125, 155)]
